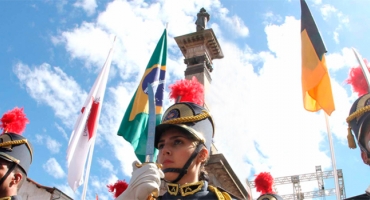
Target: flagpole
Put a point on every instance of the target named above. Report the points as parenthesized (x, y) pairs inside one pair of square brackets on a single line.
[(337, 191), (87, 173)]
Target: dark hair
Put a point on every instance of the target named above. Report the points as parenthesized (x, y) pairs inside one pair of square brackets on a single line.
[(364, 132), (203, 175)]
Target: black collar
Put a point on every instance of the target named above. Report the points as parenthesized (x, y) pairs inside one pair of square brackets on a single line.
[(186, 189)]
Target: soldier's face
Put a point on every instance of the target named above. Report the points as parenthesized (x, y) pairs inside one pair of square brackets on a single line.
[(367, 141), (5, 187), (174, 150), (365, 136)]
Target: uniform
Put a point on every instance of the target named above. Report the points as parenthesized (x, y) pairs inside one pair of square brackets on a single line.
[(197, 122), (264, 182), (14, 148), (359, 118), (11, 198)]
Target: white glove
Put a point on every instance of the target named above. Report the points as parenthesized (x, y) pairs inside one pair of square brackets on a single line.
[(144, 181), (368, 191)]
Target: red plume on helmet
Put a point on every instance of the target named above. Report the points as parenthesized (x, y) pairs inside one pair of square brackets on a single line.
[(264, 182), (14, 121), (357, 80), (187, 91), (117, 188)]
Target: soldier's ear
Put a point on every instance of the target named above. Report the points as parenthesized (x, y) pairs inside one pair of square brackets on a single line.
[(203, 155), (365, 158), (17, 177)]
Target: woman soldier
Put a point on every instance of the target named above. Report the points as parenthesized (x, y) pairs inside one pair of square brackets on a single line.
[(184, 141), (359, 116)]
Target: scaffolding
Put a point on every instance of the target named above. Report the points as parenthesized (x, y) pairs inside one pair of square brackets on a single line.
[(318, 176)]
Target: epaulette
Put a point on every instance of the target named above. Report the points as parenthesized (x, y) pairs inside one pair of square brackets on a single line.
[(223, 191), (221, 195)]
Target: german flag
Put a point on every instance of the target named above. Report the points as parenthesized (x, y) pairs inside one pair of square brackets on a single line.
[(316, 87)]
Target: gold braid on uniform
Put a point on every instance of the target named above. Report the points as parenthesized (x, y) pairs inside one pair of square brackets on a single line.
[(220, 195), (17, 142), (14, 142), (187, 119), (357, 113)]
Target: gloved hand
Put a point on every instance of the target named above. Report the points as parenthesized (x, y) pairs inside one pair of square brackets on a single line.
[(146, 179)]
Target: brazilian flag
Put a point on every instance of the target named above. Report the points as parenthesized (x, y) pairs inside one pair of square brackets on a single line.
[(134, 125), (316, 87)]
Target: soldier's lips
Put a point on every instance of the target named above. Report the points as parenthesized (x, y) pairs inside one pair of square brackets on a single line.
[(167, 162)]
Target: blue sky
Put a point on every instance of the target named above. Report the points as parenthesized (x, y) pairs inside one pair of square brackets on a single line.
[(51, 53)]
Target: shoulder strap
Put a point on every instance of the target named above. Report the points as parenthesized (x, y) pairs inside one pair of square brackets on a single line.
[(220, 195)]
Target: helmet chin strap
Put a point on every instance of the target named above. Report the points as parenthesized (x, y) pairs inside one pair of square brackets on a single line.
[(184, 169), (11, 168)]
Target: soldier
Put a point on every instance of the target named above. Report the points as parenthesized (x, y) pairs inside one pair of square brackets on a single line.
[(264, 182), (15, 154), (359, 116), (358, 119), (183, 139)]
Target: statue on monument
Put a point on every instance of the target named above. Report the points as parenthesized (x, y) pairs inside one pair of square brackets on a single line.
[(202, 19)]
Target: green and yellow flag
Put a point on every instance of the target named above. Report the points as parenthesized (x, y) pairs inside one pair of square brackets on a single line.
[(134, 127), (316, 87)]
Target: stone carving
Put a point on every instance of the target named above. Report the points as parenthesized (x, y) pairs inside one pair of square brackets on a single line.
[(202, 19)]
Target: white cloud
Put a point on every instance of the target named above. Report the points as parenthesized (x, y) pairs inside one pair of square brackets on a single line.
[(52, 145), (79, 45), (106, 164), (336, 37), (270, 17), (60, 5), (317, 2), (344, 59), (234, 23), (53, 168), (116, 106), (39, 138), (60, 129), (88, 5), (327, 10), (52, 87)]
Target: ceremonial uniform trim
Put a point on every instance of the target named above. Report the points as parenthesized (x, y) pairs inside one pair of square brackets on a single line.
[(6, 198), (11, 158), (220, 195), (184, 190), (267, 197)]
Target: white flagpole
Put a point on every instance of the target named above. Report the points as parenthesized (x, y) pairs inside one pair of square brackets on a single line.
[(337, 189), (87, 174)]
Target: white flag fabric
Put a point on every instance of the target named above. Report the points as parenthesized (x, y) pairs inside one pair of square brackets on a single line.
[(84, 131)]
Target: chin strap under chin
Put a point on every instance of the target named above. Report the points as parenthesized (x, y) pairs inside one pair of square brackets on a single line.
[(11, 168), (184, 170)]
